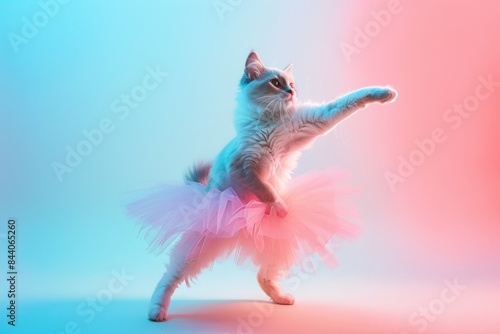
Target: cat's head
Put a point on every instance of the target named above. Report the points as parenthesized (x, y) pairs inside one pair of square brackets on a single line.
[(267, 89)]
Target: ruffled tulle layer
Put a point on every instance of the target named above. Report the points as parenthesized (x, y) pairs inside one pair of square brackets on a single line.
[(215, 219)]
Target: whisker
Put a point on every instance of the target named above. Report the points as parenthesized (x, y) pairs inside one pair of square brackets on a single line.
[(269, 104), (278, 106), (263, 110), (260, 97), (288, 115)]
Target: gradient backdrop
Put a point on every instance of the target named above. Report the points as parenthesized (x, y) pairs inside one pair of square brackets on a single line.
[(428, 164)]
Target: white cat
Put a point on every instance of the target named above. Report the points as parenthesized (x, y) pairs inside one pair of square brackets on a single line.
[(246, 205)]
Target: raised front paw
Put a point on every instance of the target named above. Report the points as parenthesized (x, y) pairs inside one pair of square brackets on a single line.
[(383, 94), (157, 313), (280, 207)]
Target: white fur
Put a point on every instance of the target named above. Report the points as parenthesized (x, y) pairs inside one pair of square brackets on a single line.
[(273, 128)]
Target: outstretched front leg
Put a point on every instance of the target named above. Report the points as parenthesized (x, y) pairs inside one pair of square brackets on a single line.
[(315, 120), (346, 105)]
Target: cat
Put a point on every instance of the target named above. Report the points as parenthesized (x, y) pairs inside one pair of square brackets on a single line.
[(272, 129)]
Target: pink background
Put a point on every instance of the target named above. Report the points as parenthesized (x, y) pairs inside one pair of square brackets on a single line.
[(446, 215)]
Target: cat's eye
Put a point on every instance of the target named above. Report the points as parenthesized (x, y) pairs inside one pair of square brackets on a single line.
[(275, 82)]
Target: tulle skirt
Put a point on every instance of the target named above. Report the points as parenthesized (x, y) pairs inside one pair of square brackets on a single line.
[(214, 219)]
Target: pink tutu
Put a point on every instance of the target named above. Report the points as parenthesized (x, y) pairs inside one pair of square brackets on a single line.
[(243, 230)]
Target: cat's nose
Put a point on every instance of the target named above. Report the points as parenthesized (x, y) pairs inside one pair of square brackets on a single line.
[(289, 90)]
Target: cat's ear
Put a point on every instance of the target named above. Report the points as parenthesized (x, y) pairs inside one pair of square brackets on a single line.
[(288, 69), (254, 67)]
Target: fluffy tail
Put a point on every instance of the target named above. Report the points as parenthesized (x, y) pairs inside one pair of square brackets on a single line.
[(198, 173)]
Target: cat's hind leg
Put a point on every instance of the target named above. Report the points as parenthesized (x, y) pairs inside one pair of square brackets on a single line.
[(182, 266), (268, 281), (187, 259), (175, 274)]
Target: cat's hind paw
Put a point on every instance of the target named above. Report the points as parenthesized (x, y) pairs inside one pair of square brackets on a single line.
[(157, 313), (283, 299)]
